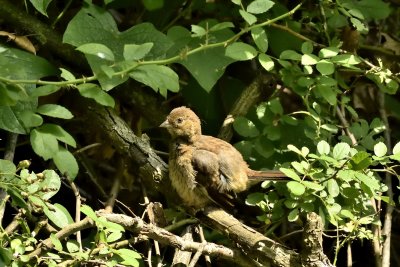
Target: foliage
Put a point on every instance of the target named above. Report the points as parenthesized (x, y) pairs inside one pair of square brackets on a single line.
[(313, 127)]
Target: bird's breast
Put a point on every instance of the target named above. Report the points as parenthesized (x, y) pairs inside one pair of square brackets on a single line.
[(183, 177)]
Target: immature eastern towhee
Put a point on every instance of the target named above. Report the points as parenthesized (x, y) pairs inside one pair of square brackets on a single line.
[(203, 169)]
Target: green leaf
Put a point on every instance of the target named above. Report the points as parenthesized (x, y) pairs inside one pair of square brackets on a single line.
[(29, 119), (58, 132), (255, 198), (41, 5), (266, 62), (98, 50), (221, 26), (240, 51), (57, 215), (290, 55), (7, 169), (328, 52), (66, 163), (327, 92), (136, 52), (198, 31), (275, 106), (370, 9), (294, 149), (307, 48), (333, 188), (360, 161), (346, 59), (50, 184), (323, 147), (396, 148), (56, 111), (313, 185), (380, 149), (291, 174), (259, 6), (44, 90), (72, 246), (296, 188), (93, 91), (160, 78), (309, 59), (370, 182), (325, 67), (88, 211), (67, 75), (341, 151), (260, 38), (129, 256), (245, 127), (293, 215), (249, 18), (93, 24), (44, 144), (151, 5), (56, 242)]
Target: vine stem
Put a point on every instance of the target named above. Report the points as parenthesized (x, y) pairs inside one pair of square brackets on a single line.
[(162, 61)]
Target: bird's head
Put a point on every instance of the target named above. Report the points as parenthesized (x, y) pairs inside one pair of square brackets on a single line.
[(183, 123)]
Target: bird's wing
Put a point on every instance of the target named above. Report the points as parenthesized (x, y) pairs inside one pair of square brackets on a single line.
[(209, 175), (211, 169)]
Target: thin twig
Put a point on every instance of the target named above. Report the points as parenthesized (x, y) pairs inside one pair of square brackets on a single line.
[(346, 126), (77, 209), (116, 186), (387, 225)]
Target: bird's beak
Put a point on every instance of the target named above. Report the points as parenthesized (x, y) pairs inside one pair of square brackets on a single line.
[(165, 124)]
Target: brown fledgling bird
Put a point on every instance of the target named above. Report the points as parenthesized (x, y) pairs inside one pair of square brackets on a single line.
[(204, 169)]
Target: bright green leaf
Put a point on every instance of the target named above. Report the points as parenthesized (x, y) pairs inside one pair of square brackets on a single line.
[(58, 132), (240, 51), (160, 78), (93, 91), (198, 31), (396, 148), (44, 90), (309, 59), (341, 150), (291, 174), (67, 75), (44, 144), (323, 147), (56, 242), (41, 5), (346, 59), (136, 52), (313, 185), (98, 50), (249, 18), (56, 111), (307, 48), (66, 163), (296, 188), (328, 52), (380, 149), (259, 6), (221, 26), (260, 38), (266, 62), (293, 215), (290, 55), (333, 188), (325, 67)]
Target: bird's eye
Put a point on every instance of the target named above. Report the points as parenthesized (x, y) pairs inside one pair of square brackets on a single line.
[(179, 120)]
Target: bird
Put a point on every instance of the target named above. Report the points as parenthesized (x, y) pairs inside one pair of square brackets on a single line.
[(205, 170)]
